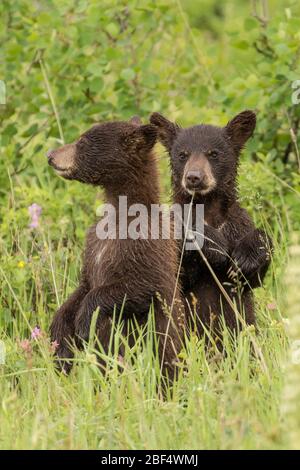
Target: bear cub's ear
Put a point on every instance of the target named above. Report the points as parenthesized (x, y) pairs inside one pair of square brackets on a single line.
[(142, 138), (167, 130), (241, 128)]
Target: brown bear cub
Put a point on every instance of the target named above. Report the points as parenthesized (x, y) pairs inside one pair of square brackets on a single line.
[(122, 274), (235, 255)]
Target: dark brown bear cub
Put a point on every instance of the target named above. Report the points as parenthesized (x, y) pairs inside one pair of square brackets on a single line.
[(235, 255), (120, 273)]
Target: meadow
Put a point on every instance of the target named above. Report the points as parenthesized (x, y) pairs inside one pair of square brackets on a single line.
[(66, 64)]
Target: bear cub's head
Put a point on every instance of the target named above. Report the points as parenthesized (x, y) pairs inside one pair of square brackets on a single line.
[(107, 154), (204, 158)]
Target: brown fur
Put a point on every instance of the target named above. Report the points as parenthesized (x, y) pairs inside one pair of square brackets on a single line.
[(204, 161), (122, 275)]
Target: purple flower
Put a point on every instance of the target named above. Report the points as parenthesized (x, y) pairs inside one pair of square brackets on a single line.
[(34, 211), (36, 333)]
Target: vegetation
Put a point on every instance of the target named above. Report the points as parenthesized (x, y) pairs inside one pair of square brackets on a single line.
[(68, 64)]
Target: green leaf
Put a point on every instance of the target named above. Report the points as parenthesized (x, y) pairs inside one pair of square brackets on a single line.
[(31, 130), (96, 85), (241, 44), (112, 29), (128, 74), (250, 23)]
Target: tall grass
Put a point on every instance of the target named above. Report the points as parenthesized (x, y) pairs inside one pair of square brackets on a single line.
[(223, 402)]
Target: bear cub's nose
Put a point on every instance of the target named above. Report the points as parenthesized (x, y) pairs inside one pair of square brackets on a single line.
[(194, 179)]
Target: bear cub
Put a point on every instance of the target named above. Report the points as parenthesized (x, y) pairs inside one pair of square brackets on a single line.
[(120, 274), (218, 280)]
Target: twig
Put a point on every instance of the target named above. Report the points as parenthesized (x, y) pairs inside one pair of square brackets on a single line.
[(51, 97), (264, 17), (34, 134), (293, 134), (195, 42), (177, 281)]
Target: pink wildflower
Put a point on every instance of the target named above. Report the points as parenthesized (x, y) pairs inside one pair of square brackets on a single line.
[(25, 345), (36, 333), (34, 211), (272, 306)]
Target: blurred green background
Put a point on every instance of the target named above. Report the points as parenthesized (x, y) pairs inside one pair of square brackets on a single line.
[(195, 61)]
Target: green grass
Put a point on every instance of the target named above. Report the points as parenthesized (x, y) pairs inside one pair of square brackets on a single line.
[(217, 402)]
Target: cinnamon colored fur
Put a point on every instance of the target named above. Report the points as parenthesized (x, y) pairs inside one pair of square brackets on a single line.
[(120, 274), (204, 162)]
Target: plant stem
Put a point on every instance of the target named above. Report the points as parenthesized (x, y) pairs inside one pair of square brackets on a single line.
[(51, 97)]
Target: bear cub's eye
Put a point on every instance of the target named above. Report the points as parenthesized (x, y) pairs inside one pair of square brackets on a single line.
[(213, 153), (183, 155)]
